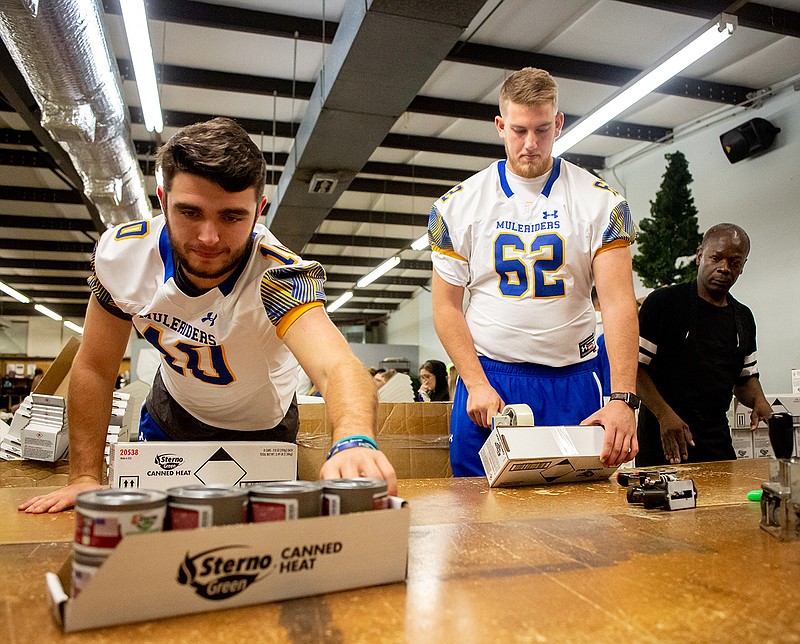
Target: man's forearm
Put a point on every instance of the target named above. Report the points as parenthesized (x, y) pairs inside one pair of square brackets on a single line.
[(750, 392), (351, 400), (88, 414), (451, 327), (621, 328), (651, 398)]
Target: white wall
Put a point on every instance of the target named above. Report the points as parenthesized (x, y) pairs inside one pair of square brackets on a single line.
[(760, 194), (412, 323)]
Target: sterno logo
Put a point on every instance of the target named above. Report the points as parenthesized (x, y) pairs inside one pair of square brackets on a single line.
[(218, 576), (168, 461)]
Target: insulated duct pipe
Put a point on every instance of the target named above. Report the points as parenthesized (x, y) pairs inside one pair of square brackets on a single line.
[(61, 50)]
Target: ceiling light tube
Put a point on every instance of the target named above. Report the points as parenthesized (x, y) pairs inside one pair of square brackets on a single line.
[(45, 311), (73, 327), (340, 302), (421, 243), (14, 293), (691, 50), (382, 269), (135, 20)]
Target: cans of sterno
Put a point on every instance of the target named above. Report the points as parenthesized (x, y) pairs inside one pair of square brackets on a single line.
[(342, 496), (202, 506), (104, 517), (83, 568), (285, 500)]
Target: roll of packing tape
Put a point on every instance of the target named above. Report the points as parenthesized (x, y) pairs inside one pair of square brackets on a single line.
[(520, 415)]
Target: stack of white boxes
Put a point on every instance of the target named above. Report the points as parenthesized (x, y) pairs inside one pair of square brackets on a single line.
[(119, 426), (11, 445), (756, 444), (45, 437)]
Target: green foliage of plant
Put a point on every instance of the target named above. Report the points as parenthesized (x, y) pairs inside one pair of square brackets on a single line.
[(671, 231)]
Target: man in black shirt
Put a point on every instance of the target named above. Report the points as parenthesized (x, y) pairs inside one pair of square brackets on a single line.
[(697, 344)]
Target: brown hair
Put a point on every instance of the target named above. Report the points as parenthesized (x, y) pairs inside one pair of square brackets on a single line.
[(529, 87), (219, 150)]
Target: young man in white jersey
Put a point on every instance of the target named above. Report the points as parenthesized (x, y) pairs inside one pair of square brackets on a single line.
[(526, 238), (231, 311)]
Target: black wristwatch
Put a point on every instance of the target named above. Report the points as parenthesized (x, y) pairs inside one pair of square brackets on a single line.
[(630, 399)]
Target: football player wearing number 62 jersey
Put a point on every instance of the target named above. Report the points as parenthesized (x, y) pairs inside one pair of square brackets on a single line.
[(231, 312), (526, 238)]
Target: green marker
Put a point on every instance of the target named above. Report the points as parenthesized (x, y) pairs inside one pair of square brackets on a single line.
[(754, 495)]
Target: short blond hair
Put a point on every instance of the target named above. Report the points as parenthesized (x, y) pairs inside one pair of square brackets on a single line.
[(529, 87)]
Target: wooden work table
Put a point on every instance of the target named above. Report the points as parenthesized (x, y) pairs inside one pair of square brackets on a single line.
[(569, 563)]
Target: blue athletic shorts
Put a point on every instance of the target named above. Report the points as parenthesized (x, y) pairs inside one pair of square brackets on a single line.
[(557, 396)]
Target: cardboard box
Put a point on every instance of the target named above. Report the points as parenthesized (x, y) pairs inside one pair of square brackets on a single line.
[(742, 442), (762, 447), (196, 571), (414, 436), (162, 465), (56, 379), (514, 456)]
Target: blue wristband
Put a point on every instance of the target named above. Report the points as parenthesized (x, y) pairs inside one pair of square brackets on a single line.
[(351, 441)]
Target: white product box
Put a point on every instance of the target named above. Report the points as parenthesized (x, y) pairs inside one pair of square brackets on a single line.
[(44, 442), (742, 442), (796, 381), (197, 571), (162, 465), (513, 456), (762, 448)]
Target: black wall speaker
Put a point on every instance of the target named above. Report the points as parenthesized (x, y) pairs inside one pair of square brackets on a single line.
[(748, 139)]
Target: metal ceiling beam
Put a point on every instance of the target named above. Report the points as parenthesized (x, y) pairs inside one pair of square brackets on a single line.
[(591, 72), (369, 262), (48, 195), (388, 45), (46, 280), (364, 292), (362, 241), (46, 246), (752, 15), (395, 280), (377, 217), (263, 23), (65, 310), (46, 223), (45, 265)]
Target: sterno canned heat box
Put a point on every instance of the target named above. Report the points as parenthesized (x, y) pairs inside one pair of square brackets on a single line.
[(514, 456), (196, 571), (162, 465)]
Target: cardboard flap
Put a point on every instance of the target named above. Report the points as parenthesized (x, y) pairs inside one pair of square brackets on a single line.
[(57, 596)]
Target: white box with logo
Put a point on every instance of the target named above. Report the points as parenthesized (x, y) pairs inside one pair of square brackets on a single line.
[(162, 465), (742, 442), (514, 456), (196, 571)]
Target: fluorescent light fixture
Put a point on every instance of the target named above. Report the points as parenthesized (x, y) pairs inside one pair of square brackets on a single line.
[(73, 327), (421, 243), (692, 49), (340, 302), (384, 268), (45, 311), (135, 19), (13, 293)]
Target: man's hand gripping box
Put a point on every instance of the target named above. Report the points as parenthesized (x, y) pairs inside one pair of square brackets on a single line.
[(514, 456), (162, 465), (197, 571)]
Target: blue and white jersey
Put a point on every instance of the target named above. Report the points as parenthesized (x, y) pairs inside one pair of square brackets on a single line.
[(222, 357), (524, 253)]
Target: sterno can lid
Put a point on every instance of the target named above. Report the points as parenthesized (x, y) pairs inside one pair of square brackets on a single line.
[(206, 492), (360, 483), (115, 499)]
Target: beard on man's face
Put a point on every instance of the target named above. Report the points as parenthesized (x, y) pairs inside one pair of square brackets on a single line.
[(234, 256)]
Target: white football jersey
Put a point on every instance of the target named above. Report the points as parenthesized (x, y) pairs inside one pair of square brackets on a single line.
[(222, 358), (526, 259)]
